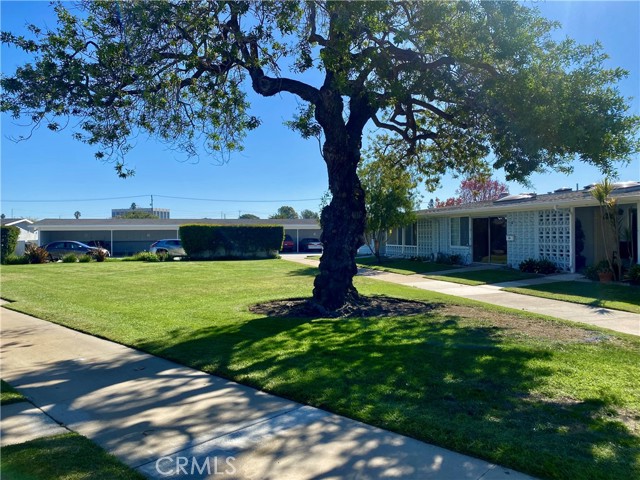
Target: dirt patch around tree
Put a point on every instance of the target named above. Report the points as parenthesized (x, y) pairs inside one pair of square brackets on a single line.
[(381, 306), (373, 306)]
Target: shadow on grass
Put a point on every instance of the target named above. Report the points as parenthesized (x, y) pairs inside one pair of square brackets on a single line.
[(304, 272), (431, 377)]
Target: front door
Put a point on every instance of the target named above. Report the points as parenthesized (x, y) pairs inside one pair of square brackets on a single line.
[(490, 240)]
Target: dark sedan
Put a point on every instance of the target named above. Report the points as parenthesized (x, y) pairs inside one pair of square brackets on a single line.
[(57, 250)]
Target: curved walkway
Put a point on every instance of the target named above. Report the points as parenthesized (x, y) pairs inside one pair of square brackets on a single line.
[(617, 320)]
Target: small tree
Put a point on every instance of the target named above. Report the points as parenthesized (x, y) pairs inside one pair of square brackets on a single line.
[(285, 212), (309, 214), (9, 240), (77, 214), (610, 223), (249, 216), (390, 195), (133, 206)]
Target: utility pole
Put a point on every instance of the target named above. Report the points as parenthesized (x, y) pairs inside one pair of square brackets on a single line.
[(151, 203)]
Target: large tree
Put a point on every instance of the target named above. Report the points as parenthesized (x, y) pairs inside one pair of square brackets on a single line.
[(453, 81)]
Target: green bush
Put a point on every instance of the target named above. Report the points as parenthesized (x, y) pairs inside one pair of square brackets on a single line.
[(70, 258), (591, 273), (12, 259), (541, 266), (8, 240), (36, 254), (85, 258), (449, 258), (633, 275), (142, 257), (226, 241)]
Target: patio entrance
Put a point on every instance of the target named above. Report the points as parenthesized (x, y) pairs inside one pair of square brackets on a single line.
[(490, 240)]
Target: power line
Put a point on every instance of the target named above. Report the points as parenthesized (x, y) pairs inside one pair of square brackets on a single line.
[(159, 196), (239, 201), (75, 199)]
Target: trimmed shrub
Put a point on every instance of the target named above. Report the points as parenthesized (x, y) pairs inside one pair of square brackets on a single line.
[(541, 266), (142, 257), (70, 258), (227, 241), (12, 259), (633, 275), (85, 258), (8, 240), (36, 254), (449, 259), (591, 273)]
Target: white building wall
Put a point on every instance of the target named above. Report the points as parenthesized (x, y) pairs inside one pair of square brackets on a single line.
[(523, 228)]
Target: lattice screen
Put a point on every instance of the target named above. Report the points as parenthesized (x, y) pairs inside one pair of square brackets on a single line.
[(554, 236)]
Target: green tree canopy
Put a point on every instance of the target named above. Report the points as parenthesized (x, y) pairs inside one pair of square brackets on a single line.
[(137, 214), (309, 214), (453, 82), (391, 194), (285, 212), (249, 216)]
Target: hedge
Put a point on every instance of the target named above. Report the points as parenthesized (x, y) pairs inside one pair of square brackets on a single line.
[(227, 241), (8, 240)]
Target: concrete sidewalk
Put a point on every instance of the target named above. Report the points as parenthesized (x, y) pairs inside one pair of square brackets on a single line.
[(156, 416), (617, 320)]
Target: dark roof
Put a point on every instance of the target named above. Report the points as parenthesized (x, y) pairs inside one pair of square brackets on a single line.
[(565, 198), (170, 222)]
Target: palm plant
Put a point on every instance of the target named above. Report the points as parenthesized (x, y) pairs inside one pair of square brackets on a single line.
[(608, 209)]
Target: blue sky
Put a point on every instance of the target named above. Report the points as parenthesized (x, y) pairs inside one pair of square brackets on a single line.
[(52, 176)]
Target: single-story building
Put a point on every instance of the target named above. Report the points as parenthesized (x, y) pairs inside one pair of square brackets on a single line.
[(515, 228), (124, 237), (27, 234)]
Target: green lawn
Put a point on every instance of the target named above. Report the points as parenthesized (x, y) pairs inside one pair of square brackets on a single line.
[(483, 277), (617, 297), (546, 397), (402, 266), (8, 394), (62, 457)]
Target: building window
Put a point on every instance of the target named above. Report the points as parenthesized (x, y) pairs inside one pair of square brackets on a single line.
[(460, 232), (411, 234)]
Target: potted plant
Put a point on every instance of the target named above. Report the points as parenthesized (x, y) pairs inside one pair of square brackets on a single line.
[(605, 273)]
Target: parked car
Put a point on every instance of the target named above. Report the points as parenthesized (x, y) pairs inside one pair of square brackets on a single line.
[(288, 244), (171, 247), (309, 244), (57, 250)]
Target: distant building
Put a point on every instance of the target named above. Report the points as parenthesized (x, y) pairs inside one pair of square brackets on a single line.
[(27, 234), (162, 213)]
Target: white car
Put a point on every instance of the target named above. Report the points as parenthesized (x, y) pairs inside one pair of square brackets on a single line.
[(310, 244), (171, 247)]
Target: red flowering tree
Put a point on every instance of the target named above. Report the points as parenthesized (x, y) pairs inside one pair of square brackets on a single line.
[(475, 190)]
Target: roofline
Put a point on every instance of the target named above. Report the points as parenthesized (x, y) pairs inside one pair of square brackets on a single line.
[(75, 225), (520, 206)]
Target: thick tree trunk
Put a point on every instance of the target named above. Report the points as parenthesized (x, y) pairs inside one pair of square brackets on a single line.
[(343, 226)]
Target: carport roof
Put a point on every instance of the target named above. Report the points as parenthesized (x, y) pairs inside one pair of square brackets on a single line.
[(168, 223)]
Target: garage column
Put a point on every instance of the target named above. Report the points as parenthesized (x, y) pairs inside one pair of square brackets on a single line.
[(297, 240), (111, 233)]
